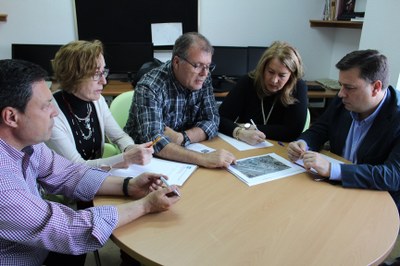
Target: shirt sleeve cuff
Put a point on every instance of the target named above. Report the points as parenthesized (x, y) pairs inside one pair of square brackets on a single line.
[(336, 172), (105, 220)]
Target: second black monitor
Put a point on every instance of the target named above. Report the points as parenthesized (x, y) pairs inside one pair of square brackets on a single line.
[(231, 61), (254, 54), (40, 54)]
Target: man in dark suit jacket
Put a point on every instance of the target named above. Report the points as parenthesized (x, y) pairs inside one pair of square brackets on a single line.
[(362, 124)]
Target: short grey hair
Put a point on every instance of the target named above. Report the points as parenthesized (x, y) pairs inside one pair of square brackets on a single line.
[(186, 40)]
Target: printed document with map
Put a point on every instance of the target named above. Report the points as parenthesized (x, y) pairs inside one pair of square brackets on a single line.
[(263, 168)]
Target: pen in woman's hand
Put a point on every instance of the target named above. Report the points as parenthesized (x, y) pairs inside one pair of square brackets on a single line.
[(155, 141), (254, 124)]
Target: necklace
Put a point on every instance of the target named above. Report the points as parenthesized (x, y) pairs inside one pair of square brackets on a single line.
[(84, 130), (87, 124), (270, 110), (88, 120)]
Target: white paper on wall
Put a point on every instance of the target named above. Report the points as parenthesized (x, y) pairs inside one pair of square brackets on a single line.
[(165, 33)]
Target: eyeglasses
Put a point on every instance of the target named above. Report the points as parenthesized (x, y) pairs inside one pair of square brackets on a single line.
[(200, 67), (98, 74)]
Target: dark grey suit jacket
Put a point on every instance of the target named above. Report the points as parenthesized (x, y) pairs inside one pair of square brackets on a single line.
[(378, 156)]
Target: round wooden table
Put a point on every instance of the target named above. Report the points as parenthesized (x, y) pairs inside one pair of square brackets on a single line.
[(291, 221)]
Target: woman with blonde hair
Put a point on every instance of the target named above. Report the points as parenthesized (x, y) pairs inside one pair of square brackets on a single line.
[(269, 102)]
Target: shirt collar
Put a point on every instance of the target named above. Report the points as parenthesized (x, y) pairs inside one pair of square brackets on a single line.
[(13, 152)]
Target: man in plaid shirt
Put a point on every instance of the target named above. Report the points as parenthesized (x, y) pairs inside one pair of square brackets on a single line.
[(176, 102)]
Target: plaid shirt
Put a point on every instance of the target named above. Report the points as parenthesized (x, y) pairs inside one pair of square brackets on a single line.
[(31, 226), (160, 100)]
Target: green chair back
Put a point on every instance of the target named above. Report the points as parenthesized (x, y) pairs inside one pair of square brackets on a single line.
[(120, 106), (308, 119)]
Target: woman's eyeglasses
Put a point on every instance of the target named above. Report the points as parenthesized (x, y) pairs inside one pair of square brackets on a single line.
[(98, 74)]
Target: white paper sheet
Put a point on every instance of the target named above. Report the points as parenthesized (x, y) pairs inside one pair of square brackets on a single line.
[(165, 33), (242, 146), (199, 148), (177, 172)]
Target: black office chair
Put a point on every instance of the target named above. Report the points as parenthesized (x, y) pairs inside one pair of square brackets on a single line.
[(146, 67)]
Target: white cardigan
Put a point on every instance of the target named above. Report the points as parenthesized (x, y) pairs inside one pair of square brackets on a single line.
[(62, 139)]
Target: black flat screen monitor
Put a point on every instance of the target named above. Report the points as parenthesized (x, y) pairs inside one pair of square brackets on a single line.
[(130, 21), (127, 58), (40, 54), (254, 54), (230, 61)]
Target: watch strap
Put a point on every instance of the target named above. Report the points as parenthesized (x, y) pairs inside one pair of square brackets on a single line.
[(186, 140), (125, 186)]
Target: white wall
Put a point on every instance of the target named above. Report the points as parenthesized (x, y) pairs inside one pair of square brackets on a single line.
[(260, 22), (224, 22), (381, 32), (36, 21)]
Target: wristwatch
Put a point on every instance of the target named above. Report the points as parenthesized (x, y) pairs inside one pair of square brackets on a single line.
[(247, 126), (125, 186), (186, 140)]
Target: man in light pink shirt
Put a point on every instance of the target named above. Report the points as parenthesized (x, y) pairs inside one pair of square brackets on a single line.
[(31, 227)]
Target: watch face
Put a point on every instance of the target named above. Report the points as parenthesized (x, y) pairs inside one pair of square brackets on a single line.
[(247, 126)]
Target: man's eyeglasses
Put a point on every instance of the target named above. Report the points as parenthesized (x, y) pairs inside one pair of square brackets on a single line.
[(200, 67), (98, 74)]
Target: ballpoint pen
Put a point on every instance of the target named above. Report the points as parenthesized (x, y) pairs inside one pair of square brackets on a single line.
[(167, 184), (254, 124)]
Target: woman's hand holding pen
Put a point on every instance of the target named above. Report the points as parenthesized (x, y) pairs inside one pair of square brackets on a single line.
[(140, 154), (251, 136), (136, 154), (249, 133)]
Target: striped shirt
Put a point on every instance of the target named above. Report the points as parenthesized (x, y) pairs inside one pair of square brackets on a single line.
[(30, 226), (160, 100)]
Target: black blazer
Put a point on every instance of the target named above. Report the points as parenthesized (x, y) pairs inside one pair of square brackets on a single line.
[(378, 156)]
